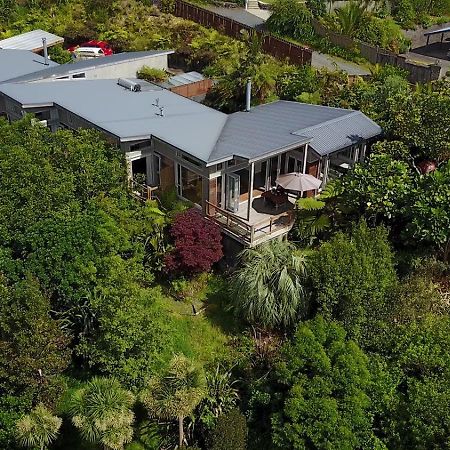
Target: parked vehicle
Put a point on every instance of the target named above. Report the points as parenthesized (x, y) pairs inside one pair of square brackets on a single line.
[(92, 48)]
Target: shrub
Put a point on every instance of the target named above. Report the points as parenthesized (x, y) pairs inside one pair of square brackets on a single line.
[(317, 7), (384, 33), (230, 432), (325, 383), (152, 74), (197, 244), (397, 150), (291, 18), (59, 55), (295, 81), (351, 276)]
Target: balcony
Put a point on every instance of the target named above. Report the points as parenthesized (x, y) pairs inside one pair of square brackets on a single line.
[(265, 223)]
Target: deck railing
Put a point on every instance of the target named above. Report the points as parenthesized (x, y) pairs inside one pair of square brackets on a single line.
[(142, 191), (249, 234)]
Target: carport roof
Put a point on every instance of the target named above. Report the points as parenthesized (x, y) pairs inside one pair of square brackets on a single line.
[(32, 41)]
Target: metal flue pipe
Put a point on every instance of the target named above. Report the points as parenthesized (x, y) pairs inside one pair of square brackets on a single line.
[(44, 46), (248, 95)]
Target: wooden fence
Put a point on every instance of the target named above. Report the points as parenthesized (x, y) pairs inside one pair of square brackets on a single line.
[(417, 73), (279, 48)]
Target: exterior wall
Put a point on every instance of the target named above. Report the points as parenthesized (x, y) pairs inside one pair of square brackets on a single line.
[(126, 69), (12, 108), (196, 89)]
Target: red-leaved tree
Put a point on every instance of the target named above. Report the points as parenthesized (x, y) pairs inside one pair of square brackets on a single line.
[(197, 243)]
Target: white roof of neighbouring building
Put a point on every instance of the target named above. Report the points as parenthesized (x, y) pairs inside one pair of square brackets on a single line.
[(15, 63), (32, 41)]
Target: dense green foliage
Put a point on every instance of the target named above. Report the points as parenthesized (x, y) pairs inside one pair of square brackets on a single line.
[(357, 295), (326, 404), (230, 433)]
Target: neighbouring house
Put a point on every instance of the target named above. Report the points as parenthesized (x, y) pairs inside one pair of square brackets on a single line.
[(31, 41), (221, 163), (119, 65)]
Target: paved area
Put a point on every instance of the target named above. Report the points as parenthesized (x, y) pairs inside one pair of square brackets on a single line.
[(427, 60), (324, 61)]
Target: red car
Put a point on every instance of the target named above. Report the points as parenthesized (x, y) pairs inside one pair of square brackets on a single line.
[(104, 46)]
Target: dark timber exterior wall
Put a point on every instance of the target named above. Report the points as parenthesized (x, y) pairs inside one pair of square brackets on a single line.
[(277, 47)]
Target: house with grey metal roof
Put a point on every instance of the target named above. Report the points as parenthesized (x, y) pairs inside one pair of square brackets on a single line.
[(119, 65), (225, 164), (31, 41)]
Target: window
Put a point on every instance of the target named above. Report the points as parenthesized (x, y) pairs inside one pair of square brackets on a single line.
[(79, 75), (191, 185), (191, 160), (139, 146)]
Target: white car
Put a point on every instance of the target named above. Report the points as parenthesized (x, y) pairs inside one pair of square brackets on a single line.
[(88, 52)]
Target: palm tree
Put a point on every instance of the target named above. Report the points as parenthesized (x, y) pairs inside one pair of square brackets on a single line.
[(38, 429), (351, 16), (102, 413), (267, 290), (176, 394)]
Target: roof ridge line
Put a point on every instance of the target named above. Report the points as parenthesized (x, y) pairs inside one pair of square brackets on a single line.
[(328, 122)]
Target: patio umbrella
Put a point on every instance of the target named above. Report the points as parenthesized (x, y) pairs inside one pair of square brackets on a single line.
[(298, 182)]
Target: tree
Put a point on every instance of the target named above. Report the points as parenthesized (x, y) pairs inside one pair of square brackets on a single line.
[(429, 210), (38, 429), (197, 243), (351, 277), (378, 188), (267, 290), (33, 349), (326, 381), (230, 432), (133, 337), (351, 16), (414, 394), (291, 18), (102, 412), (175, 394)]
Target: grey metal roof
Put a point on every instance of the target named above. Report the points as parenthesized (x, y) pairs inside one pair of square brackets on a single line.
[(341, 132), (89, 64), (283, 124), (202, 132), (14, 63), (261, 131), (32, 40), (188, 125), (183, 79)]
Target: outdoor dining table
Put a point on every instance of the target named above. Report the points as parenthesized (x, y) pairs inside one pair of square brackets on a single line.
[(275, 197)]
